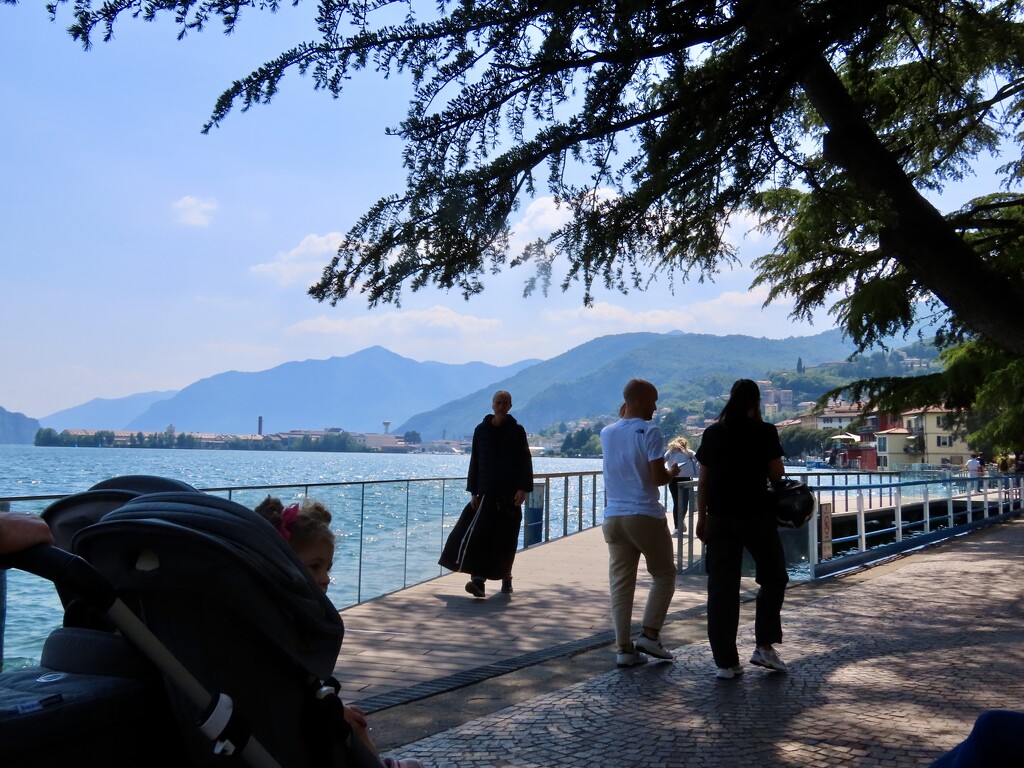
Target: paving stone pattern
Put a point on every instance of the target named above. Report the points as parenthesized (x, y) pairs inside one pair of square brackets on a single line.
[(887, 672)]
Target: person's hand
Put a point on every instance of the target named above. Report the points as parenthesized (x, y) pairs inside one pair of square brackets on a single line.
[(355, 716), (474, 502), (21, 531), (702, 526), (356, 719), (520, 498)]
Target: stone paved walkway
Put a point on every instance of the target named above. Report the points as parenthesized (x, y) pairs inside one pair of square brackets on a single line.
[(887, 668)]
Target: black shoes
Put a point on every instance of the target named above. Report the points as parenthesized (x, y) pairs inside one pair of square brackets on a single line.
[(475, 587), (506, 585)]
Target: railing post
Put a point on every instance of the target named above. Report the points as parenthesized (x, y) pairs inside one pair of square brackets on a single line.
[(362, 529), (812, 540), (440, 544), (565, 506), (899, 513), (579, 507), (949, 500), (927, 511), (547, 509), (862, 538), (405, 559)]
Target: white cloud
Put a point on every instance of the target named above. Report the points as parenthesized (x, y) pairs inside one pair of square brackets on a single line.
[(541, 218), (743, 227), (195, 211), (304, 263)]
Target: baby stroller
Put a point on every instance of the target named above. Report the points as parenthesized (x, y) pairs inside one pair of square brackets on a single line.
[(238, 645)]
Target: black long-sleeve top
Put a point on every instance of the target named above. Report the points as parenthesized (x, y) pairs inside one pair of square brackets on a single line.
[(500, 462)]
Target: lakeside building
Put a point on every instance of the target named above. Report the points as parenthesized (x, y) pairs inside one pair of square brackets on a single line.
[(924, 438), (916, 438)]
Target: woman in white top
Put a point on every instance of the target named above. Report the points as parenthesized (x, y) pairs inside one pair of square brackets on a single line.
[(679, 452)]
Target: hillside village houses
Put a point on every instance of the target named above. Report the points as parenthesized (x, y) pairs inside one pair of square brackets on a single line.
[(916, 438)]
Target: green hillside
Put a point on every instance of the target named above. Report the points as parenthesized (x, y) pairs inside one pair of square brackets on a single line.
[(586, 382)]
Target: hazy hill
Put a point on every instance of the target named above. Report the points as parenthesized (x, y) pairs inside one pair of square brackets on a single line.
[(587, 381), (102, 413), (17, 427), (356, 393)]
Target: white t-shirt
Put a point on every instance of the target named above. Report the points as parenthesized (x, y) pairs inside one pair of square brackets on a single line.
[(629, 446), (688, 467), (973, 467)]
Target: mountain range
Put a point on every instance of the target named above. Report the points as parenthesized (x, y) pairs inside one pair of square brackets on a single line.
[(361, 391), (16, 427)]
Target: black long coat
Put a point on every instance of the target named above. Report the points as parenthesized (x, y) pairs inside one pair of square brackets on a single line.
[(484, 541)]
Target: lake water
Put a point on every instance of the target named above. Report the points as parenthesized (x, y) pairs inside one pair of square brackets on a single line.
[(33, 608)]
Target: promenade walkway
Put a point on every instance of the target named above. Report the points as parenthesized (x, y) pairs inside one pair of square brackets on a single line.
[(889, 666)]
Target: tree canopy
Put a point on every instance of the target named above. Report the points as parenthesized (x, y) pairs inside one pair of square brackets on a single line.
[(655, 121)]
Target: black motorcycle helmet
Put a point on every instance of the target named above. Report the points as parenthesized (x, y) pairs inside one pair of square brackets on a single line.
[(792, 503)]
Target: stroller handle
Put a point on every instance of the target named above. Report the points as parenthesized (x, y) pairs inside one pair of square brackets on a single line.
[(66, 570)]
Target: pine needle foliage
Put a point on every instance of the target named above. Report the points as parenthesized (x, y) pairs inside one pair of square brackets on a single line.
[(654, 123)]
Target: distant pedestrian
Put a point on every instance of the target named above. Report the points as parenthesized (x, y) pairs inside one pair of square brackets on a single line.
[(679, 454), (975, 469), (635, 524), (739, 454), (484, 540)]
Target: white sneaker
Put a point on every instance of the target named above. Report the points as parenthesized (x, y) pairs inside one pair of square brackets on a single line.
[(629, 658), (653, 647), (768, 657), (728, 673)]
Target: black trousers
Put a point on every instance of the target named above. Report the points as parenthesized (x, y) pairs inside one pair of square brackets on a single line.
[(726, 540), (680, 499)]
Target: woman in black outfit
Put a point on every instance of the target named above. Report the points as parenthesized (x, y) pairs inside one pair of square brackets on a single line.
[(739, 455)]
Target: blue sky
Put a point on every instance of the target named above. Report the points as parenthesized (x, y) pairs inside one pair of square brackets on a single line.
[(140, 255)]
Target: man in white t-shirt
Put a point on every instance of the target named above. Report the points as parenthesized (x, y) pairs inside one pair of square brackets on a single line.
[(635, 523), (975, 468)]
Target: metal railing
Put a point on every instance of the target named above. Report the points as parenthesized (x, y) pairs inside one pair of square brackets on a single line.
[(863, 517), (921, 511), (390, 533)]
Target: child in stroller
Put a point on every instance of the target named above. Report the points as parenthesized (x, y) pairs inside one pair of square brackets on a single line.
[(307, 530), (217, 602)]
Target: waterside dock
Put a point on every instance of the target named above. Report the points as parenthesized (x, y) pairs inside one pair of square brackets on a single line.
[(889, 666)]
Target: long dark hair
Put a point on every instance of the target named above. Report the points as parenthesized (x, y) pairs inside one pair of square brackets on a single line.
[(744, 395)]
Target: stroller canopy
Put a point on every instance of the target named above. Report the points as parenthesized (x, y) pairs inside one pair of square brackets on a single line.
[(210, 551)]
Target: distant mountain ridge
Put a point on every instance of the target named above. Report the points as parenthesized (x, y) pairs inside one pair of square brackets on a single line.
[(102, 413), (17, 427), (357, 393), (360, 391)]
